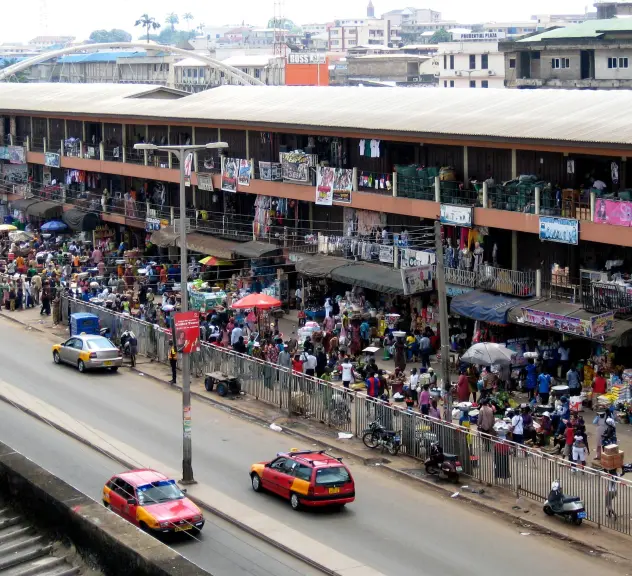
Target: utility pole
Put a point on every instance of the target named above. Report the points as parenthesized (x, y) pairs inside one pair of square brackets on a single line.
[(443, 324), (181, 153)]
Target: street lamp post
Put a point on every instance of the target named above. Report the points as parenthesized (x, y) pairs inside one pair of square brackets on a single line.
[(181, 153)]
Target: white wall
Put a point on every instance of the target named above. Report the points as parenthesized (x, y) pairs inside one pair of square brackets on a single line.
[(461, 74), (602, 72)]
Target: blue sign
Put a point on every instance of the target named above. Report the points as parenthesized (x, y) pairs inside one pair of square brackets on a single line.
[(453, 290), (563, 230)]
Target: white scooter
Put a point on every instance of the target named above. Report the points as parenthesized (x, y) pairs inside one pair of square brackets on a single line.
[(570, 509)]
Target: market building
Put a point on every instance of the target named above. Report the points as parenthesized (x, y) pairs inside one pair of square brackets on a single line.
[(344, 191)]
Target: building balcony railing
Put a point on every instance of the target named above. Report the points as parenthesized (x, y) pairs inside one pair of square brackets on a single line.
[(512, 282)]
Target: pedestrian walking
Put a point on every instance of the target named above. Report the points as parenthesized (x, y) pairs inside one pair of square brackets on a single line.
[(173, 361)]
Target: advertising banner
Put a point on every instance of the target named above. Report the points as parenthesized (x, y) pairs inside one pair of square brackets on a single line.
[(205, 182), (457, 215), (4, 153), (325, 185), (613, 212), (595, 327), (15, 173), (411, 258), (602, 324), (245, 172), (418, 279), (17, 155), (53, 160), (270, 171), (343, 185), (230, 170), (387, 254), (295, 166), (187, 331), (152, 224), (563, 230)]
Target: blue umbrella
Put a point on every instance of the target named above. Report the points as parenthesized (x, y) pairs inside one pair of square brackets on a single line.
[(54, 226)]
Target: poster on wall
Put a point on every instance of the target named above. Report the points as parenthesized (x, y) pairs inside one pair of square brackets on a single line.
[(418, 279), (230, 169), (270, 171), (152, 224), (4, 153), (51, 159), (16, 173), (17, 155), (613, 212), (205, 182), (296, 166), (245, 172), (457, 215), (343, 185), (187, 331), (387, 254), (325, 185), (46, 176), (563, 230)]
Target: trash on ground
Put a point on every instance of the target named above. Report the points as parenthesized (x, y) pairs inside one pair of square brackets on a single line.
[(454, 495), (275, 427), (525, 533), (344, 435)]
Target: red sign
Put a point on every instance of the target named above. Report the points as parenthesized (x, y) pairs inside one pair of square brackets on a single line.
[(187, 329)]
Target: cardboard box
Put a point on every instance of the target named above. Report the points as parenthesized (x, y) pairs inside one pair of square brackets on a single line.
[(612, 461), (611, 449)]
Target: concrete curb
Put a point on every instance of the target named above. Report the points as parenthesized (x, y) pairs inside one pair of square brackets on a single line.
[(20, 322), (202, 504), (532, 523)]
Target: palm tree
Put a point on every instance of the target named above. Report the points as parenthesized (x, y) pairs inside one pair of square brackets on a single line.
[(187, 17), (172, 19), (148, 22)]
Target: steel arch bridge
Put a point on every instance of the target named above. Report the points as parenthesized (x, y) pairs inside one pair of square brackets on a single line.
[(234, 73)]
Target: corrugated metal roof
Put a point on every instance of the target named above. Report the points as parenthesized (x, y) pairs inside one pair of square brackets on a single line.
[(587, 29), (597, 116)]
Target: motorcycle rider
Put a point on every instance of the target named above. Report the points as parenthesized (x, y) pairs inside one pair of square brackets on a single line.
[(556, 497), (129, 343)]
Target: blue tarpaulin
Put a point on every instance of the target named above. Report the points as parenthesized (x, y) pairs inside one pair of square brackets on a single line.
[(484, 306)]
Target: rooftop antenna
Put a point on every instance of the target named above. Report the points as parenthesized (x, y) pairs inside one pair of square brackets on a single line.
[(280, 43)]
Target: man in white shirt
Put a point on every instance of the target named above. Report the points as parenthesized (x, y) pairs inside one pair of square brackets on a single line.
[(235, 334), (563, 353), (347, 372), (517, 429), (309, 363), (299, 298), (414, 384)]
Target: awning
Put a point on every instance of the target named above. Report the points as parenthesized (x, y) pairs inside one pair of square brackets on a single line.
[(484, 306), (514, 316), (48, 210), (164, 237), (371, 276), (80, 221), (256, 249), (210, 246), (621, 335), (320, 266), (23, 203)]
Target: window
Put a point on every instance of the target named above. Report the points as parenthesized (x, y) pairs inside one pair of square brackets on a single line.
[(303, 472), (612, 62), (484, 84), (445, 83), (484, 61), (257, 72), (560, 63), (535, 55), (334, 475), (472, 83), (278, 464), (335, 42), (451, 83), (445, 62), (99, 343), (512, 62), (160, 491), (472, 61), (451, 61)]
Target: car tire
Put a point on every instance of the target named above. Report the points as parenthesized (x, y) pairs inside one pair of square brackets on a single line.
[(106, 504), (114, 369), (81, 366), (56, 357), (295, 502), (222, 389), (255, 480), (144, 527)]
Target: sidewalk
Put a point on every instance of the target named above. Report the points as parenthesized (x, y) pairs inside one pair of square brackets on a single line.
[(525, 514)]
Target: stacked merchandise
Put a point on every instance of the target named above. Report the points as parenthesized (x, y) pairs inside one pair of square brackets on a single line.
[(612, 457), (619, 391)]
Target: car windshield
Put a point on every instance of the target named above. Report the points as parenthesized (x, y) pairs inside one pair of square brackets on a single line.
[(156, 492), (334, 475), (99, 343)]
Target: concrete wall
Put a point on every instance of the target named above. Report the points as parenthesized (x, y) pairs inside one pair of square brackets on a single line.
[(117, 547), (602, 72)]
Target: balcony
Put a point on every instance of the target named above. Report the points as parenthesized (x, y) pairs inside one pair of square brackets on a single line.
[(511, 282)]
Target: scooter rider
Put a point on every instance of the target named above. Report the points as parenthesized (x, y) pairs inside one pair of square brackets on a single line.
[(556, 497), (129, 343)]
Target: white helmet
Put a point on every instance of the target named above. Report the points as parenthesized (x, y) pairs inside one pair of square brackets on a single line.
[(555, 485), (609, 421)]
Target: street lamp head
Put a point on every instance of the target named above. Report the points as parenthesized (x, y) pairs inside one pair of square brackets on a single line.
[(145, 147), (214, 145)]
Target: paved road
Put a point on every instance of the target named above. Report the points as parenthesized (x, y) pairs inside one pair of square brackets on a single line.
[(393, 526)]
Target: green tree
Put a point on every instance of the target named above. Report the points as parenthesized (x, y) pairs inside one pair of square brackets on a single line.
[(114, 35), (441, 35), (148, 23), (172, 19), (284, 23), (187, 17)]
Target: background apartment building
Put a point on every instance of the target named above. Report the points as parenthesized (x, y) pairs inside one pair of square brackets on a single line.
[(472, 62)]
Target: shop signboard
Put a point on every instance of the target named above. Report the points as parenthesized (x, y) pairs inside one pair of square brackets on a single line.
[(245, 172), (306, 58), (270, 171), (411, 258), (17, 155), (296, 166), (595, 327), (187, 331), (387, 254), (205, 182), (53, 160), (453, 290), (457, 215), (417, 279), (15, 173), (230, 171), (152, 224), (563, 230), (518, 346), (602, 324), (613, 212)]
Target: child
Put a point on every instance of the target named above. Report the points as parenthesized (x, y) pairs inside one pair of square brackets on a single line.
[(409, 400), (579, 452), (569, 435), (424, 400)]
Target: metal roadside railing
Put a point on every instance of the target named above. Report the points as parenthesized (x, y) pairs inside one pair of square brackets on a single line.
[(491, 461)]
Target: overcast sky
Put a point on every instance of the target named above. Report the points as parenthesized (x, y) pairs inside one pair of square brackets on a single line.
[(20, 20)]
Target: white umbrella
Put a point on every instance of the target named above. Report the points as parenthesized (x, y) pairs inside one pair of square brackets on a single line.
[(488, 353)]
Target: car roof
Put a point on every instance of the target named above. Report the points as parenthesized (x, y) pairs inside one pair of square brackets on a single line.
[(317, 459), (142, 476)]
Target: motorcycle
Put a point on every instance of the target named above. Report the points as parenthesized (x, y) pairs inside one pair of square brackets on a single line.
[(377, 435), (570, 509), (445, 466)]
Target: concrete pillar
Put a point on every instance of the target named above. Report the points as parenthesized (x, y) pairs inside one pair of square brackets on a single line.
[(31, 126), (11, 140), (396, 257), (102, 150), (394, 184), (45, 142), (83, 131), (538, 283), (437, 189), (514, 250), (13, 127), (593, 200), (354, 178), (145, 152), (466, 169), (247, 144), (124, 142), (169, 156), (514, 163), (485, 195), (172, 215), (537, 199), (219, 134), (65, 129), (27, 143), (80, 148), (195, 154), (47, 130), (63, 148)]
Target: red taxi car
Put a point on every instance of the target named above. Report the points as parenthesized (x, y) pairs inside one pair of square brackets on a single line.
[(152, 501), (305, 478)]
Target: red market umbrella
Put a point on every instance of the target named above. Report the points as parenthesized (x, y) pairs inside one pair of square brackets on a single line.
[(260, 301)]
